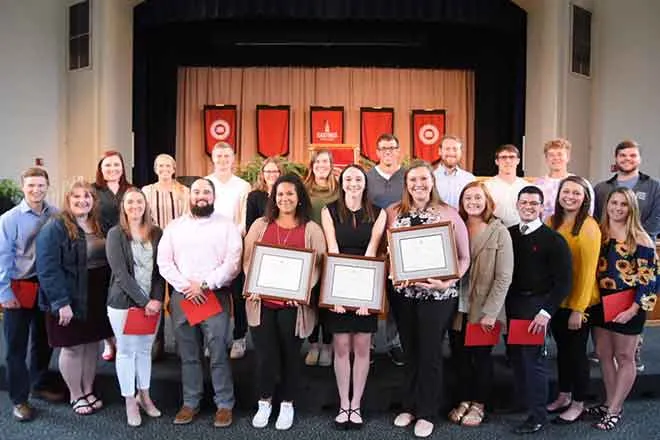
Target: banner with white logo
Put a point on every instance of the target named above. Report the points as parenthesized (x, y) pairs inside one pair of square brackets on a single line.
[(374, 121), (326, 125), (219, 126), (427, 128), (273, 130)]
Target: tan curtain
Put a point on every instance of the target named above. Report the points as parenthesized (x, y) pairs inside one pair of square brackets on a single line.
[(352, 88)]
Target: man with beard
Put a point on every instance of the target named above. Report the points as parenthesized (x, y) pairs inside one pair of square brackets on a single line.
[(647, 189), (450, 179), (231, 201), (23, 321), (199, 255)]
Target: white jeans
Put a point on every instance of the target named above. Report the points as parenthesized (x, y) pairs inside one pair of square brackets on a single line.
[(133, 359)]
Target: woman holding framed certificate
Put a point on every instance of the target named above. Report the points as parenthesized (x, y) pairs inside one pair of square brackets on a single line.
[(136, 293), (278, 326), (352, 225), (425, 307), (322, 187), (481, 302), (627, 277)]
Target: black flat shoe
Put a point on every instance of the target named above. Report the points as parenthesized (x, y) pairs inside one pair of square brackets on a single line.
[(343, 426), (351, 423), (528, 427)]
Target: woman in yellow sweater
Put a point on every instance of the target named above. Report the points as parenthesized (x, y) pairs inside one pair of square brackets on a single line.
[(569, 325)]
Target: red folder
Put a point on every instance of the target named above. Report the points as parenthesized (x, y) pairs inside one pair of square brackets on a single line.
[(199, 313), (25, 292), (519, 333), (138, 323), (616, 303), (476, 336)]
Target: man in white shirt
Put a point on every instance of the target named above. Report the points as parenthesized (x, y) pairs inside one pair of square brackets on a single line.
[(557, 155), (505, 186), (199, 255), (450, 179), (230, 201)]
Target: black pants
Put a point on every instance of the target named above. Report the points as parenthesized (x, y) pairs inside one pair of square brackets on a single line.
[(422, 325), (240, 318), (474, 368), (572, 362), (320, 323), (21, 326), (531, 379), (278, 353)]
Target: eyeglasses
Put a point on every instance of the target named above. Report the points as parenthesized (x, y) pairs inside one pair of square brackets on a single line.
[(507, 157), (526, 203), (385, 149)]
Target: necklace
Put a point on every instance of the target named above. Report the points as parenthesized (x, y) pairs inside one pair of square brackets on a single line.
[(282, 242)]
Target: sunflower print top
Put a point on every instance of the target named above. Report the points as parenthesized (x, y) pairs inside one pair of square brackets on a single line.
[(618, 270)]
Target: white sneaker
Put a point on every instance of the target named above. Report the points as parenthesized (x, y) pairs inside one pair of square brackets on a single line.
[(238, 349), (325, 357), (260, 419), (285, 418)]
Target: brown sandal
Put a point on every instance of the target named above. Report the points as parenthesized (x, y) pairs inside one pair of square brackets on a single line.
[(457, 414), (474, 416)]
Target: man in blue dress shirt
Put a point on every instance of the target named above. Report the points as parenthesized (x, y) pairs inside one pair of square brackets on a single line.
[(450, 179), (23, 321)]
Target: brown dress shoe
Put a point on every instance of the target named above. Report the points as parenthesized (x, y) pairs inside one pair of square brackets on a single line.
[(23, 412), (223, 418), (185, 415), (49, 395)]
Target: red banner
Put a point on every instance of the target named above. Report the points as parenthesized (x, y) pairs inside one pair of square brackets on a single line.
[(373, 123), (326, 125), (219, 126), (427, 128), (273, 130)]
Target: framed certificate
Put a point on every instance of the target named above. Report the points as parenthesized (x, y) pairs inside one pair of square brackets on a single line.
[(280, 273), (421, 252), (353, 281)]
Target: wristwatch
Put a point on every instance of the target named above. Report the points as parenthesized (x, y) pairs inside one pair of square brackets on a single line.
[(204, 286)]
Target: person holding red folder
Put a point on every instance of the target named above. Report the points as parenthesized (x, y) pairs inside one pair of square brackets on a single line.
[(569, 324), (628, 261), (131, 248), (541, 281), (23, 322), (481, 302), (199, 255)]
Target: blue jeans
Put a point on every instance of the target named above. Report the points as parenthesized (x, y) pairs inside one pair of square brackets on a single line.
[(23, 326)]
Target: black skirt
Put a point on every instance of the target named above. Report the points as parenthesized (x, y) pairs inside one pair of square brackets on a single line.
[(349, 322), (96, 326), (633, 327)]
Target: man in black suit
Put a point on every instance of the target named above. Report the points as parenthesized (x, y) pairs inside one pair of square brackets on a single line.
[(541, 281)]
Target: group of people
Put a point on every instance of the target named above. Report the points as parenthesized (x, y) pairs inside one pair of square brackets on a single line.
[(69, 278)]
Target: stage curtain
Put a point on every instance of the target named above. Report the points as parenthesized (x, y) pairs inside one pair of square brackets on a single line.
[(352, 88)]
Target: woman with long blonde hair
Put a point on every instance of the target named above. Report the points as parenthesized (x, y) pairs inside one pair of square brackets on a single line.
[(628, 263), (323, 189), (74, 274)]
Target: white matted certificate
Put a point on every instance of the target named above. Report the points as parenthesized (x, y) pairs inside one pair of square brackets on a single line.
[(421, 252), (353, 282), (280, 273)]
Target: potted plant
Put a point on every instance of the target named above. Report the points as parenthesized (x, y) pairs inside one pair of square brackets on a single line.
[(10, 195)]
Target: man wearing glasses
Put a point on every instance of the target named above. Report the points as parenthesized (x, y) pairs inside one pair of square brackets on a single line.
[(385, 187), (542, 275), (505, 186)]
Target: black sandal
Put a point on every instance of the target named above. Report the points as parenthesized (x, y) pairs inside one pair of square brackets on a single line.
[(608, 422), (352, 424), (342, 426), (597, 412), (95, 403), (79, 404)]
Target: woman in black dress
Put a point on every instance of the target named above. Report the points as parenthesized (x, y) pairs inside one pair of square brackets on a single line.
[(353, 226)]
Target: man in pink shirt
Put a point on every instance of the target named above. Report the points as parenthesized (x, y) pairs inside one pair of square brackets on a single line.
[(199, 255)]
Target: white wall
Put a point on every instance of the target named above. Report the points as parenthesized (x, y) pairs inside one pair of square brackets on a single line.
[(32, 86), (626, 98)]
